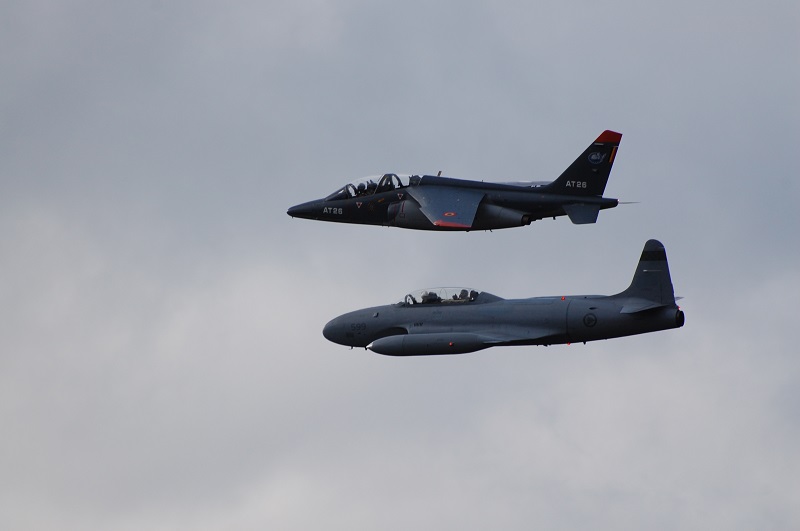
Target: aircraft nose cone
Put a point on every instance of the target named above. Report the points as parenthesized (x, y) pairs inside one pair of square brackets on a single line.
[(304, 210), (332, 331)]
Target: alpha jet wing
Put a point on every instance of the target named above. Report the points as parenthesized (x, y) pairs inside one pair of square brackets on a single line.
[(430, 202), (447, 206), (460, 320)]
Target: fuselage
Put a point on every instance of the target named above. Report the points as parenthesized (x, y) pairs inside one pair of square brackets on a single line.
[(496, 321), (440, 203), (502, 205)]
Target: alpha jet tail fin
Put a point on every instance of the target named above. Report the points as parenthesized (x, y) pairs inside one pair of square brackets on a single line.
[(651, 286), (588, 175)]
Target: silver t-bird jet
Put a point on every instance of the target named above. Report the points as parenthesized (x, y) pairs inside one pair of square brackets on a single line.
[(459, 320)]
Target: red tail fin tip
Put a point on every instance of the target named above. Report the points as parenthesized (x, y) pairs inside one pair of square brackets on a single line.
[(609, 136)]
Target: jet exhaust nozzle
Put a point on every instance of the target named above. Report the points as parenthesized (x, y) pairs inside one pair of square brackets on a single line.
[(680, 318)]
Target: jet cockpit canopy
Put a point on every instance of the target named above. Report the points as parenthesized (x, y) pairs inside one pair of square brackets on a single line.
[(373, 184), (440, 296)]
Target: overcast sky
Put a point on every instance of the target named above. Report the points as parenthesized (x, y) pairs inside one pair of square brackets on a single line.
[(161, 358)]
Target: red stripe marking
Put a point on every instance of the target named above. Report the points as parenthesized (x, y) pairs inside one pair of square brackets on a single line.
[(442, 223), (613, 154)]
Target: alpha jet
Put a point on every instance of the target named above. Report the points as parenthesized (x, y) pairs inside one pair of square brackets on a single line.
[(459, 320), (431, 202)]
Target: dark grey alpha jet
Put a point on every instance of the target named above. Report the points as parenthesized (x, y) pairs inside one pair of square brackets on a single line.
[(440, 203), (459, 320)]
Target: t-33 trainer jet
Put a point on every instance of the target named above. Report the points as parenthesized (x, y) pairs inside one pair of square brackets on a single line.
[(459, 320), (431, 202)]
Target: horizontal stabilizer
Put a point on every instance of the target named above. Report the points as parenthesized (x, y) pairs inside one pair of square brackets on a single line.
[(634, 305), (581, 214)]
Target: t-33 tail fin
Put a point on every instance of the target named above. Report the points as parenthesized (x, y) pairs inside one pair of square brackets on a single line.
[(651, 286)]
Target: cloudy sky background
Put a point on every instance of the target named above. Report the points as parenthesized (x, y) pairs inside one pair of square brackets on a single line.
[(161, 358)]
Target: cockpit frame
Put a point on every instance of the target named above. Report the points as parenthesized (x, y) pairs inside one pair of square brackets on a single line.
[(367, 186), (445, 295)]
